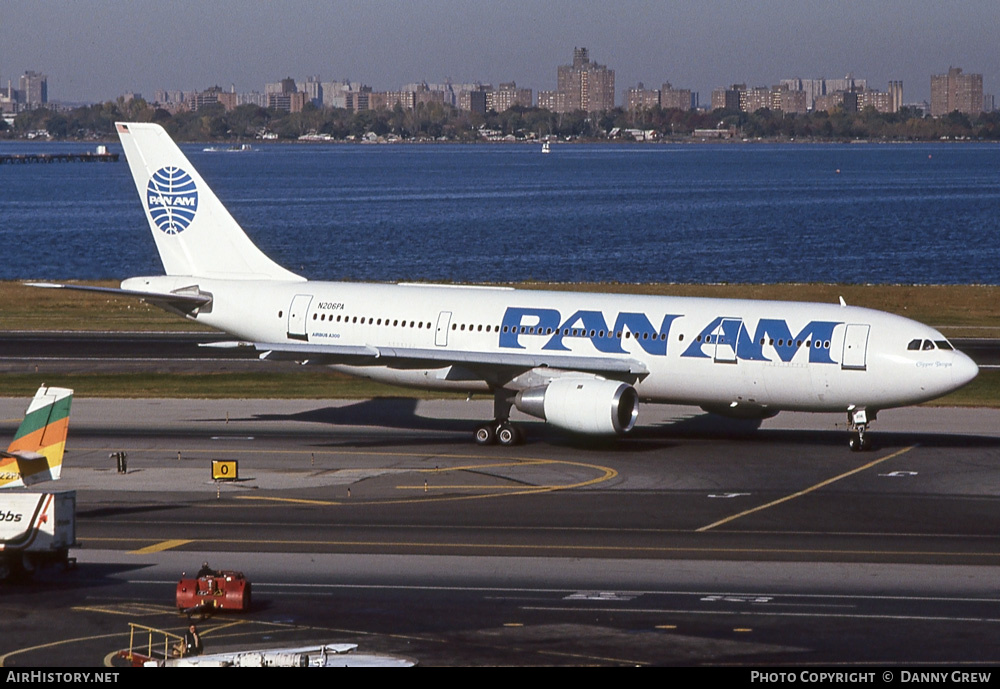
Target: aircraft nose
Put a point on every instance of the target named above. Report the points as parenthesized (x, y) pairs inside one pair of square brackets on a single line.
[(964, 370)]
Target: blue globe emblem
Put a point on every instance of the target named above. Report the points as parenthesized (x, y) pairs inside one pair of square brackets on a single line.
[(172, 199)]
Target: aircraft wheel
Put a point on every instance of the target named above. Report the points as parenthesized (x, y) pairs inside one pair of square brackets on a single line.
[(486, 434), (508, 435), (855, 442)]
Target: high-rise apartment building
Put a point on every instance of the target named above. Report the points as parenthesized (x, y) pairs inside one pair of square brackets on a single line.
[(507, 96), (728, 98), (554, 101), (358, 100), (813, 88), (956, 91), (583, 85), (408, 98), (848, 83), (754, 99), (641, 98), (826, 94), (895, 95), (676, 99), (667, 98), (204, 98), (788, 101), (34, 89), (313, 88), (778, 97)]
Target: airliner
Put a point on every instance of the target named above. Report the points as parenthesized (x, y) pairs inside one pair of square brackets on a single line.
[(36, 453), (582, 362)]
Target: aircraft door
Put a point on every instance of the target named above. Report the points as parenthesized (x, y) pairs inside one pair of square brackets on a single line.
[(855, 347), (297, 316), (441, 334), (725, 337)]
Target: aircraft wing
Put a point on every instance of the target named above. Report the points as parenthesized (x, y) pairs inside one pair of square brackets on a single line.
[(405, 357)]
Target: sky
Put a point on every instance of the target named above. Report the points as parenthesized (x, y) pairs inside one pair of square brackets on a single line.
[(96, 50)]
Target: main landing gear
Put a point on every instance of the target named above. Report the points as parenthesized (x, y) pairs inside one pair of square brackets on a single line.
[(858, 420), (500, 430)]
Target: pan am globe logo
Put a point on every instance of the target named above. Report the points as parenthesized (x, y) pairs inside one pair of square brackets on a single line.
[(172, 198)]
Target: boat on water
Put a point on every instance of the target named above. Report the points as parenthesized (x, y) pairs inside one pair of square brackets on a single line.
[(235, 148)]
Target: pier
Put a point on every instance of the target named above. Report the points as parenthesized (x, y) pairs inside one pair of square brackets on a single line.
[(25, 158)]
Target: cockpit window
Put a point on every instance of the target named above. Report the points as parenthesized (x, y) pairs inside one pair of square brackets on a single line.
[(926, 345)]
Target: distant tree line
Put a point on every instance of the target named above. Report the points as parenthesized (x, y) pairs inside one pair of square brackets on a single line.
[(440, 122)]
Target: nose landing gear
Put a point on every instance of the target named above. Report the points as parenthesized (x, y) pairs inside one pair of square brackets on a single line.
[(858, 420), (858, 441)]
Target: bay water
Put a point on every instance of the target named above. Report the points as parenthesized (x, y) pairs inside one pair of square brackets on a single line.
[(633, 213)]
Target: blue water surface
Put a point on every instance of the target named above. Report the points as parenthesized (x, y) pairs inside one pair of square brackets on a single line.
[(855, 213)]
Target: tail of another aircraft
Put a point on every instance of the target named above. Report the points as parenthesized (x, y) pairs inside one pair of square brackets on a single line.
[(194, 233), (36, 453)]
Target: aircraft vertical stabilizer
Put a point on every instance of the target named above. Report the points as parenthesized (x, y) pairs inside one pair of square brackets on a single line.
[(194, 233), (36, 453)]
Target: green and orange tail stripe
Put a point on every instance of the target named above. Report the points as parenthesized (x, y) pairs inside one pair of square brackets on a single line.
[(44, 429)]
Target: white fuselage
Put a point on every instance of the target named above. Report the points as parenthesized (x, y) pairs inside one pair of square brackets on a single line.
[(717, 353)]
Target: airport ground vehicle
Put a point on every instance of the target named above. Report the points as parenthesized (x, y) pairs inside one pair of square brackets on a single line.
[(36, 529), (223, 590)]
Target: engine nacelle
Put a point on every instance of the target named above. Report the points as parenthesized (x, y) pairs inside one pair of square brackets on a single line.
[(583, 405)]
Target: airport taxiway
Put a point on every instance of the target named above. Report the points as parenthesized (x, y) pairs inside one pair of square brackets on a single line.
[(696, 541)]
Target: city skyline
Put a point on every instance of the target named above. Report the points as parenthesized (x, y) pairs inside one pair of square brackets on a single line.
[(118, 47)]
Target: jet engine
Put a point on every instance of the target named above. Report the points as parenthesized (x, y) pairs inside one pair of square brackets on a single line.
[(594, 406)]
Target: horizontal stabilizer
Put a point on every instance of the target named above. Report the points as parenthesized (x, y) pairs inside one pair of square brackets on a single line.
[(22, 455), (186, 302)]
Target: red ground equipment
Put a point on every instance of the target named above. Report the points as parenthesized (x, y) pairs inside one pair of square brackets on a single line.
[(224, 590)]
